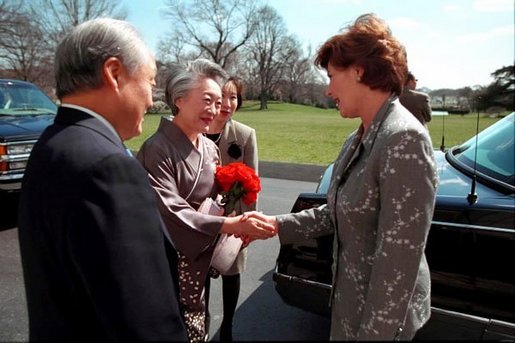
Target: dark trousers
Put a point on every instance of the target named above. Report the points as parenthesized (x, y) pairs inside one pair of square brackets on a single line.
[(230, 293)]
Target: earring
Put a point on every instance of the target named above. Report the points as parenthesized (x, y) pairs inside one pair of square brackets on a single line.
[(358, 79)]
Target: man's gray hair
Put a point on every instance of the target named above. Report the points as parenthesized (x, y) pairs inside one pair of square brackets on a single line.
[(182, 79), (80, 56)]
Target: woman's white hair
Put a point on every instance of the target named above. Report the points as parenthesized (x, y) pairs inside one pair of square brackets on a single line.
[(182, 79)]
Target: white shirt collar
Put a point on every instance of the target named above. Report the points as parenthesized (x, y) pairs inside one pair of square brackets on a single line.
[(93, 114)]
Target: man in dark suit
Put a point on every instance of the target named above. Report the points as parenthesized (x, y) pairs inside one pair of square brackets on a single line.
[(416, 102), (91, 238)]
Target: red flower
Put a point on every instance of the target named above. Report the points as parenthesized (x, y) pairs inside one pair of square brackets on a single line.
[(237, 181)]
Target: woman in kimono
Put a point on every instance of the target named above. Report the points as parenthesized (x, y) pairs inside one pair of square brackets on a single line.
[(181, 164), (237, 143), (380, 200)]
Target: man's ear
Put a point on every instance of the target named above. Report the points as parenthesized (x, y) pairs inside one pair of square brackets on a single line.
[(178, 103), (111, 72)]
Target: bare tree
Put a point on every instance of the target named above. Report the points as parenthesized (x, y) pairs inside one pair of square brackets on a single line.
[(31, 30), (23, 53), (57, 17), (7, 12), (216, 29), (269, 50), (172, 49), (9, 19), (298, 69)]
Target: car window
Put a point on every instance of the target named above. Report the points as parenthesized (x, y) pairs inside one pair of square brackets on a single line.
[(24, 99), (325, 180), (495, 151)]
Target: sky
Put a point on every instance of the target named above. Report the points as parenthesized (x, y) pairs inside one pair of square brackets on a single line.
[(450, 43)]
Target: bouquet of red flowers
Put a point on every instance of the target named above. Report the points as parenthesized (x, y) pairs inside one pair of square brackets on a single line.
[(238, 181)]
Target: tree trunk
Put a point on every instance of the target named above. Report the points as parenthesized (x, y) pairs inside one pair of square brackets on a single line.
[(264, 102)]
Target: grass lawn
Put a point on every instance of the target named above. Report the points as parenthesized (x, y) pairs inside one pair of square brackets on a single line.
[(305, 134)]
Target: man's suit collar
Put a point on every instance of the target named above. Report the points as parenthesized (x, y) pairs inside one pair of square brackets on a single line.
[(71, 116)]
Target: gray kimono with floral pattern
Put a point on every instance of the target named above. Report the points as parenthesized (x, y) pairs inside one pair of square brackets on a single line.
[(173, 164), (379, 205)]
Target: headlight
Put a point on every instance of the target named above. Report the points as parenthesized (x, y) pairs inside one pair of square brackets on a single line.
[(17, 165), (14, 156), (19, 149)]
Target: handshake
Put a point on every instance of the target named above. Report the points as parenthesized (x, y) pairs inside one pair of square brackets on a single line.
[(248, 226), (251, 226)]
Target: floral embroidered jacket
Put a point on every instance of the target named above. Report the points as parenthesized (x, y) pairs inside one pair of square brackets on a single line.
[(379, 205)]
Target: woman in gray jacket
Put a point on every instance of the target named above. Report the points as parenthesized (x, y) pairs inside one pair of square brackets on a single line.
[(381, 197), (237, 143)]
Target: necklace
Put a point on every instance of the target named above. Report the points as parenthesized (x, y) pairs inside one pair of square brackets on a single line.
[(215, 137), (218, 139)]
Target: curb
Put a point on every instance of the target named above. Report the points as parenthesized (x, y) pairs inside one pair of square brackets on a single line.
[(291, 171), (287, 171)]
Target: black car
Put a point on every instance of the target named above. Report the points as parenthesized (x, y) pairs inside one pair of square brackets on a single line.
[(25, 111), (470, 247)]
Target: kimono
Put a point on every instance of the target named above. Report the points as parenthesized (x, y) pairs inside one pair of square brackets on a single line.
[(379, 206), (182, 177)]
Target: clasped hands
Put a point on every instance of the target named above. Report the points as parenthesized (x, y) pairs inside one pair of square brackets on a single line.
[(251, 226)]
